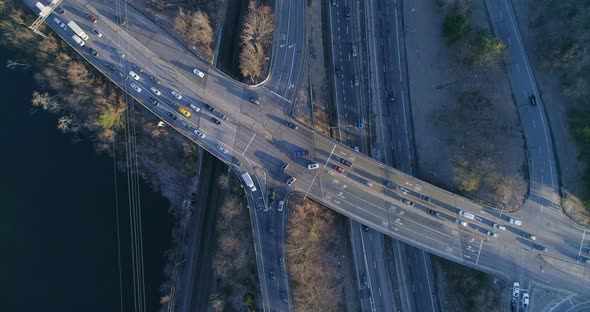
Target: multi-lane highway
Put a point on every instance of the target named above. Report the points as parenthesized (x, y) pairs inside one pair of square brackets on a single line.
[(258, 136)]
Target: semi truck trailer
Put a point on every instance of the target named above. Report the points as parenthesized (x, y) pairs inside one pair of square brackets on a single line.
[(76, 29)]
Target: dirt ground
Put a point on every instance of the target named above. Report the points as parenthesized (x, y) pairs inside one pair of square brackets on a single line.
[(463, 289), (467, 132), (319, 259), (315, 73), (535, 36)]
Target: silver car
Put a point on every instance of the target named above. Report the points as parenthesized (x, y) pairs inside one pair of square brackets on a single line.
[(135, 87)]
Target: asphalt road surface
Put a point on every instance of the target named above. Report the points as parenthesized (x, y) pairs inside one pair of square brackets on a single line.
[(259, 137)]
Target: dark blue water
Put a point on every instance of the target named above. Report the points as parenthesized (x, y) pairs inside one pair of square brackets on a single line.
[(58, 232)]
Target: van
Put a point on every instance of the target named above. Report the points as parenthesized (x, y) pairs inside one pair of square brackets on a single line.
[(467, 215), (78, 40), (515, 222)]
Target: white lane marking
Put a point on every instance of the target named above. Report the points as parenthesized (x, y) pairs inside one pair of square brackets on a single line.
[(479, 252), (534, 124), (517, 67), (252, 138), (509, 42), (581, 243), (428, 280), (327, 160)]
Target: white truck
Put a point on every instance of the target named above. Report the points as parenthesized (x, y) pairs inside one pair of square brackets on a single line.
[(78, 40), (467, 215), (78, 30), (40, 6), (248, 180)]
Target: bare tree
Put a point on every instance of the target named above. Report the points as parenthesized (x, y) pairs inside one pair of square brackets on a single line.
[(195, 29), (256, 37), (251, 60), (64, 124)]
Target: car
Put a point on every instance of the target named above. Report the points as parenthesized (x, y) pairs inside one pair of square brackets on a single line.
[(222, 116), (367, 182), (392, 95), (353, 50), (525, 299), (533, 100), (177, 95), (154, 101), (291, 180), (291, 125), (184, 124), (515, 222), (123, 76), (539, 247), (300, 153), (215, 121), (284, 166), (171, 115), (92, 51), (337, 70), (109, 66), (391, 185), (364, 279), (515, 289), (209, 107), (91, 18), (271, 229), (360, 123), (424, 197), (184, 111), (154, 79), (499, 227), (96, 32), (156, 91), (222, 149), (356, 80), (433, 212), (257, 206), (366, 228), (345, 162), (463, 223), (282, 260), (404, 190), (492, 234), (119, 53), (347, 13), (582, 260), (199, 134), (333, 2), (254, 101), (135, 87), (198, 73), (134, 75), (59, 10), (271, 194), (338, 168), (313, 166), (120, 20), (137, 68), (284, 297), (407, 202), (272, 275), (195, 107), (356, 149), (281, 206), (58, 22), (529, 236)]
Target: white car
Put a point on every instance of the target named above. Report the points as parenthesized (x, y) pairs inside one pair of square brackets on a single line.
[(492, 234), (525, 299), (195, 107), (280, 206), (515, 222), (199, 134), (96, 32), (221, 149), (312, 166), (177, 95), (156, 91), (499, 227), (463, 223), (135, 87), (198, 73), (515, 290), (134, 75)]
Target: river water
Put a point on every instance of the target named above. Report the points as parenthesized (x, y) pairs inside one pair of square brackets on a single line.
[(58, 230)]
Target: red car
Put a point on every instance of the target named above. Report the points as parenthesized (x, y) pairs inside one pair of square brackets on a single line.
[(91, 18), (338, 168)]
